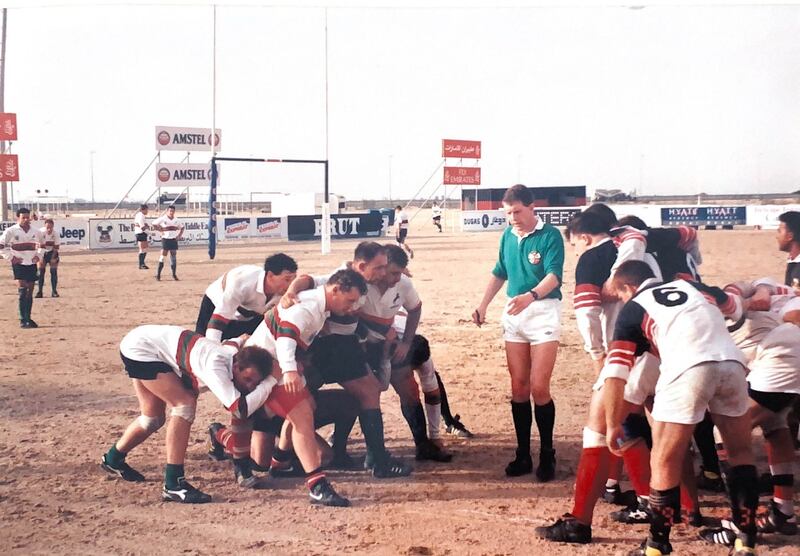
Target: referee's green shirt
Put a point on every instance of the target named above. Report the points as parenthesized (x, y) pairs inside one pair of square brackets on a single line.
[(525, 261)]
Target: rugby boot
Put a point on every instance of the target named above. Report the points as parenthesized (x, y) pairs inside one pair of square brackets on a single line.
[(54, 294), (31, 324), (456, 428), (122, 470), (615, 495), (522, 465), (695, 519), (39, 295), (725, 535), (216, 451), (638, 513), (175, 277), (428, 450), (775, 521), (243, 472), (391, 468), (185, 494), (323, 493), (652, 548), (708, 480), (546, 470), (566, 529)]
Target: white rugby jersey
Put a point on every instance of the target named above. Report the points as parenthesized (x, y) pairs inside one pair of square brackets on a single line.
[(238, 295), (49, 241), (783, 299), (170, 227), (379, 309), (21, 244), (751, 329), (436, 210), (776, 364), (203, 362), (680, 322), (402, 220), (284, 331), (344, 325), (139, 222)]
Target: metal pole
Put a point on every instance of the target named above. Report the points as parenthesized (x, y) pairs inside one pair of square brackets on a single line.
[(212, 192), (4, 185), (326, 207), (91, 163)]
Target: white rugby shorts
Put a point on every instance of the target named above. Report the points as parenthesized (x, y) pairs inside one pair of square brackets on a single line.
[(641, 380), (718, 386), (776, 366), (540, 322)]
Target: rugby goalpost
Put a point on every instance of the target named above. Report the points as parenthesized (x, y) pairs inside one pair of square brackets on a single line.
[(212, 198)]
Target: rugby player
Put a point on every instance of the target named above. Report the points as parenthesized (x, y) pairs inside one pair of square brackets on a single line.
[(168, 365), (171, 233), (235, 303), (401, 227), (140, 227), (48, 253), (701, 368), (18, 244)]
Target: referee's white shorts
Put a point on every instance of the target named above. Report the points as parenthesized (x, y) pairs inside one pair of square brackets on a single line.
[(718, 386), (641, 381), (540, 322)]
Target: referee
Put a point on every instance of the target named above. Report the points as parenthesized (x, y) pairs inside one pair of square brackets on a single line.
[(531, 259)]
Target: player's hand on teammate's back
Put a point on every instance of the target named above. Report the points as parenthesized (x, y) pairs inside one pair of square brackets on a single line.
[(761, 300), (519, 303), (288, 299), (607, 293), (292, 382)]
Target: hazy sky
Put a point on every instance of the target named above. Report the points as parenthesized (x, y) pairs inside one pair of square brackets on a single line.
[(665, 99)]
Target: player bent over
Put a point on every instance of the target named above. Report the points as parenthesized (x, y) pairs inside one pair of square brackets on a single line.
[(701, 368), (48, 255), (288, 333), (235, 303), (18, 243), (531, 259), (168, 365)]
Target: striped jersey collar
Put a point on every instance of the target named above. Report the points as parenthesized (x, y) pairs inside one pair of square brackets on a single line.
[(795, 259)]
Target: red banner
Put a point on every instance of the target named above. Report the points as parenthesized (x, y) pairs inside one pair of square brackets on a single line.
[(462, 176), (8, 127), (455, 148), (9, 167)]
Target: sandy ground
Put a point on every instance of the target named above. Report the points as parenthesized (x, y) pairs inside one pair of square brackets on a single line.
[(64, 399)]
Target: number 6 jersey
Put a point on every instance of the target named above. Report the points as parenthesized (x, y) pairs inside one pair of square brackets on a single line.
[(680, 322)]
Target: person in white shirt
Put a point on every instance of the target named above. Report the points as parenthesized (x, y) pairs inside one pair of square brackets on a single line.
[(701, 369), (436, 212), (287, 334), (171, 232), (401, 226), (168, 366), (18, 244), (48, 253), (235, 303), (140, 227)]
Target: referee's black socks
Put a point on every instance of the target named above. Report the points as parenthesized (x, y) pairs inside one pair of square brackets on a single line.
[(523, 419), (545, 421)]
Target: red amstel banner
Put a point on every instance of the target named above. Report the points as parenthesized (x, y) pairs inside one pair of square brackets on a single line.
[(456, 148), (454, 175), (9, 167), (8, 126)]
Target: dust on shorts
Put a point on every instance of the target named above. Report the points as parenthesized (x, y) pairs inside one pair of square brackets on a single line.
[(641, 382), (540, 322), (718, 386), (24, 272)]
